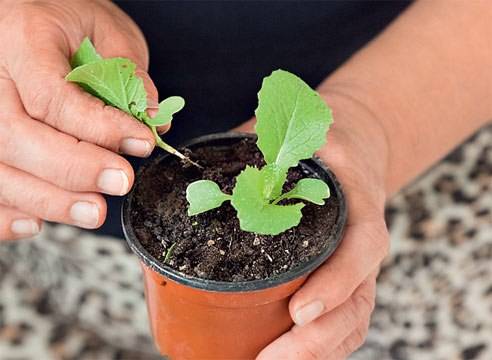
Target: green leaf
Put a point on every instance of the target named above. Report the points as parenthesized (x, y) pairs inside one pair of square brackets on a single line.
[(114, 82), (255, 213), (167, 108), (292, 120), (313, 190), (274, 181), (204, 195), (86, 54)]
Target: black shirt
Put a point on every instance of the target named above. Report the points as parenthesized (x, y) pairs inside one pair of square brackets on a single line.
[(215, 54)]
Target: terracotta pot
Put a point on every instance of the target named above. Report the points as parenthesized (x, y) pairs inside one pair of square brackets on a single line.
[(193, 318)]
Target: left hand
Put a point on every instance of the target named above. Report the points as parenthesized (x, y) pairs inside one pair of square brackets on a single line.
[(332, 309)]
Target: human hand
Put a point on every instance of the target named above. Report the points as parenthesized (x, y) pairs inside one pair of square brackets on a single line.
[(57, 142), (333, 308)]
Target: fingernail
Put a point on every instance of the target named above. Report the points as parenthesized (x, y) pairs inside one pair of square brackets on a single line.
[(85, 214), (135, 147), (309, 312), (24, 227), (113, 182)]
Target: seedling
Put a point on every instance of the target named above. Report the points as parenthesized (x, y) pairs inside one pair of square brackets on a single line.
[(114, 81), (292, 122)]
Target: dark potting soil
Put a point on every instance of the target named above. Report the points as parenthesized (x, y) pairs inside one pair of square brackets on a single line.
[(211, 245)]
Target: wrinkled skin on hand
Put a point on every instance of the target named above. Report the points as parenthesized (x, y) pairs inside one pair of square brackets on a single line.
[(332, 309), (59, 145)]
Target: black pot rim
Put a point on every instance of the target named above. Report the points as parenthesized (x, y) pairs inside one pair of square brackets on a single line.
[(336, 234)]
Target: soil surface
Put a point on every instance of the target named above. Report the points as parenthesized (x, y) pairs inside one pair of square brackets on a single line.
[(211, 245)]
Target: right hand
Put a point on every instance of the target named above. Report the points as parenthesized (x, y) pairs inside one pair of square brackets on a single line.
[(58, 144)]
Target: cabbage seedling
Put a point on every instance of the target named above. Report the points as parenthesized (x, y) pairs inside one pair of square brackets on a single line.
[(292, 122)]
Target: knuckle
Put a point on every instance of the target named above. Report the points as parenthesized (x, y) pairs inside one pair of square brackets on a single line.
[(43, 205), (71, 175), (346, 349), (311, 350), (103, 128), (106, 128), (113, 128), (39, 97), (354, 341), (351, 314), (53, 108), (358, 338), (365, 302), (380, 239)]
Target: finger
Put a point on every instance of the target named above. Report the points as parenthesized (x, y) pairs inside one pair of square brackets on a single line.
[(47, 96), (41, 199), (360, 253), (163, 129), (353, 342), (63, 160), (16, 225), (319, 338), (59, 158)]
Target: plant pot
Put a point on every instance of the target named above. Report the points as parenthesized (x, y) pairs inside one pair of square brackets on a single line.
[(193, 318)]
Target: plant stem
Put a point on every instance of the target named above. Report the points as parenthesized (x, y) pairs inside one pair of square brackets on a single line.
[(166, 147), (280, 198)]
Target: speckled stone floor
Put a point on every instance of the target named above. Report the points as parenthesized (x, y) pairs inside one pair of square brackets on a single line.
[(71, 295)]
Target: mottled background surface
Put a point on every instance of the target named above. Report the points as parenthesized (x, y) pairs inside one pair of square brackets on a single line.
[(71, 295)]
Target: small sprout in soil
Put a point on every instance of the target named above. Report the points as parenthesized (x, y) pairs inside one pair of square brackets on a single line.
[(169, 252), (115, 82), (292, 122)]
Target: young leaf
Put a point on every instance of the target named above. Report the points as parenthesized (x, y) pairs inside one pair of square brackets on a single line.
[(292, 120), (204, 195), (274, 181), (167, 108), (114, 82), (86, 54), (255, 213), (313, 190)]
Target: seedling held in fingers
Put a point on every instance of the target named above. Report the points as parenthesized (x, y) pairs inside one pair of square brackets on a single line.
[(114, 81)]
